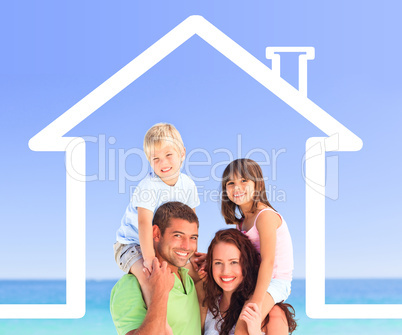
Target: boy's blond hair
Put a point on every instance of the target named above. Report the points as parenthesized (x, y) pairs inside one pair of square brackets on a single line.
[(161, 133)]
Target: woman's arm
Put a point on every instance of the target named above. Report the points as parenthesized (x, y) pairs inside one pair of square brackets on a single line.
[(203, 309), (197, 262)]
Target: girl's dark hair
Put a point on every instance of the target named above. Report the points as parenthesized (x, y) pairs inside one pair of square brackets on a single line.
[(247, 169), (250, 262)]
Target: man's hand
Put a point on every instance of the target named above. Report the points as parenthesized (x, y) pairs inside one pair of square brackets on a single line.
[(147, 263), (160, 281)]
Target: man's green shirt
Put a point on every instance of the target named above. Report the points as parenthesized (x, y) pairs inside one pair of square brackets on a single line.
[(128, 308)]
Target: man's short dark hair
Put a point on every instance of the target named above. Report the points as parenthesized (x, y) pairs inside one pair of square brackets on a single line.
[(173, 210)]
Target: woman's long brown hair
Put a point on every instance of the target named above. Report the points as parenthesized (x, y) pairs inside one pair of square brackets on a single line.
[(250, 262), (247, 169)]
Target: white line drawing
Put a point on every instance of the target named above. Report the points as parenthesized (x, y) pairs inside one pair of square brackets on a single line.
[(308, 54), (340, 138)]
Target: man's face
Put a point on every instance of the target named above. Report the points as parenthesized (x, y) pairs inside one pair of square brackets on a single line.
[(178, 243)]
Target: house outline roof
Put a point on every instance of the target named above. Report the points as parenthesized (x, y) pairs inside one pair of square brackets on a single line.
[(51, 137)]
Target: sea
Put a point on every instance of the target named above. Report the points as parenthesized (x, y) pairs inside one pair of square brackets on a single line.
[(97, 320)]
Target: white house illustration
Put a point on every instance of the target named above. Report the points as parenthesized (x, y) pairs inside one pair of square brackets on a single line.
[(339, 138)]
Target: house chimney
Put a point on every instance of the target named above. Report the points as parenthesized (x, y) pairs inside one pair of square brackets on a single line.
[(308, 53)]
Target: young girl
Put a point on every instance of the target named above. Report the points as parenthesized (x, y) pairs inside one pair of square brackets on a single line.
[(245, 203)]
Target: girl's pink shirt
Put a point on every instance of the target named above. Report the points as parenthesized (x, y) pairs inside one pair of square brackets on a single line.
[(283, 263)]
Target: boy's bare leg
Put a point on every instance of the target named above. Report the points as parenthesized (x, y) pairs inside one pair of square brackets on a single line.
[(267, 304), (277, 322), (137, 269)]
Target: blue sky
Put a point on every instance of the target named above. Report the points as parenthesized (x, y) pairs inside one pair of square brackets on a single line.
[(54, 54)]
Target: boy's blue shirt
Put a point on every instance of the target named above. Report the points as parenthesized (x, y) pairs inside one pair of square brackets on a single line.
[(150, 193)]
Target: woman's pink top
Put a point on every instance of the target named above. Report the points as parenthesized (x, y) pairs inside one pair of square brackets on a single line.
[(283, 263)]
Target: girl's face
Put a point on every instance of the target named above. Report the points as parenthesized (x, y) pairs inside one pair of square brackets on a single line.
[(240, 190), (226, 268)]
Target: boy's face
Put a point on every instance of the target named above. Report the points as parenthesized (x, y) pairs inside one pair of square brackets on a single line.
[(166, 160)]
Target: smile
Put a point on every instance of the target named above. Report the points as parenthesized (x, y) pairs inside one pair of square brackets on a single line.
[(182, 254), (166, 170), (239, 195), (228, 279)]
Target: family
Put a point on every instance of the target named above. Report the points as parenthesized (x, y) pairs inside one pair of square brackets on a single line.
[(238, 287)]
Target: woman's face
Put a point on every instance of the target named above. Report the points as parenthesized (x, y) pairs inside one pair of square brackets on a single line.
[(226, 268)]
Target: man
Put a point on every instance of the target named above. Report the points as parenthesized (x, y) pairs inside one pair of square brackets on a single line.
[(174, 297)]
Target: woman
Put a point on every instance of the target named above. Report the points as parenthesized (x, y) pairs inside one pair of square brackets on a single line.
[(231, 272)]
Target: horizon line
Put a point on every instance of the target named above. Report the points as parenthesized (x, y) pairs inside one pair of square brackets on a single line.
[(117, 278)]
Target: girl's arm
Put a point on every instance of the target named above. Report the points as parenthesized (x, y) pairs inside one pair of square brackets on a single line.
[(146, 236), (267, 224)]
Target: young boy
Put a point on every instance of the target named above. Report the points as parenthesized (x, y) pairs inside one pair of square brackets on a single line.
[(165, 152)]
